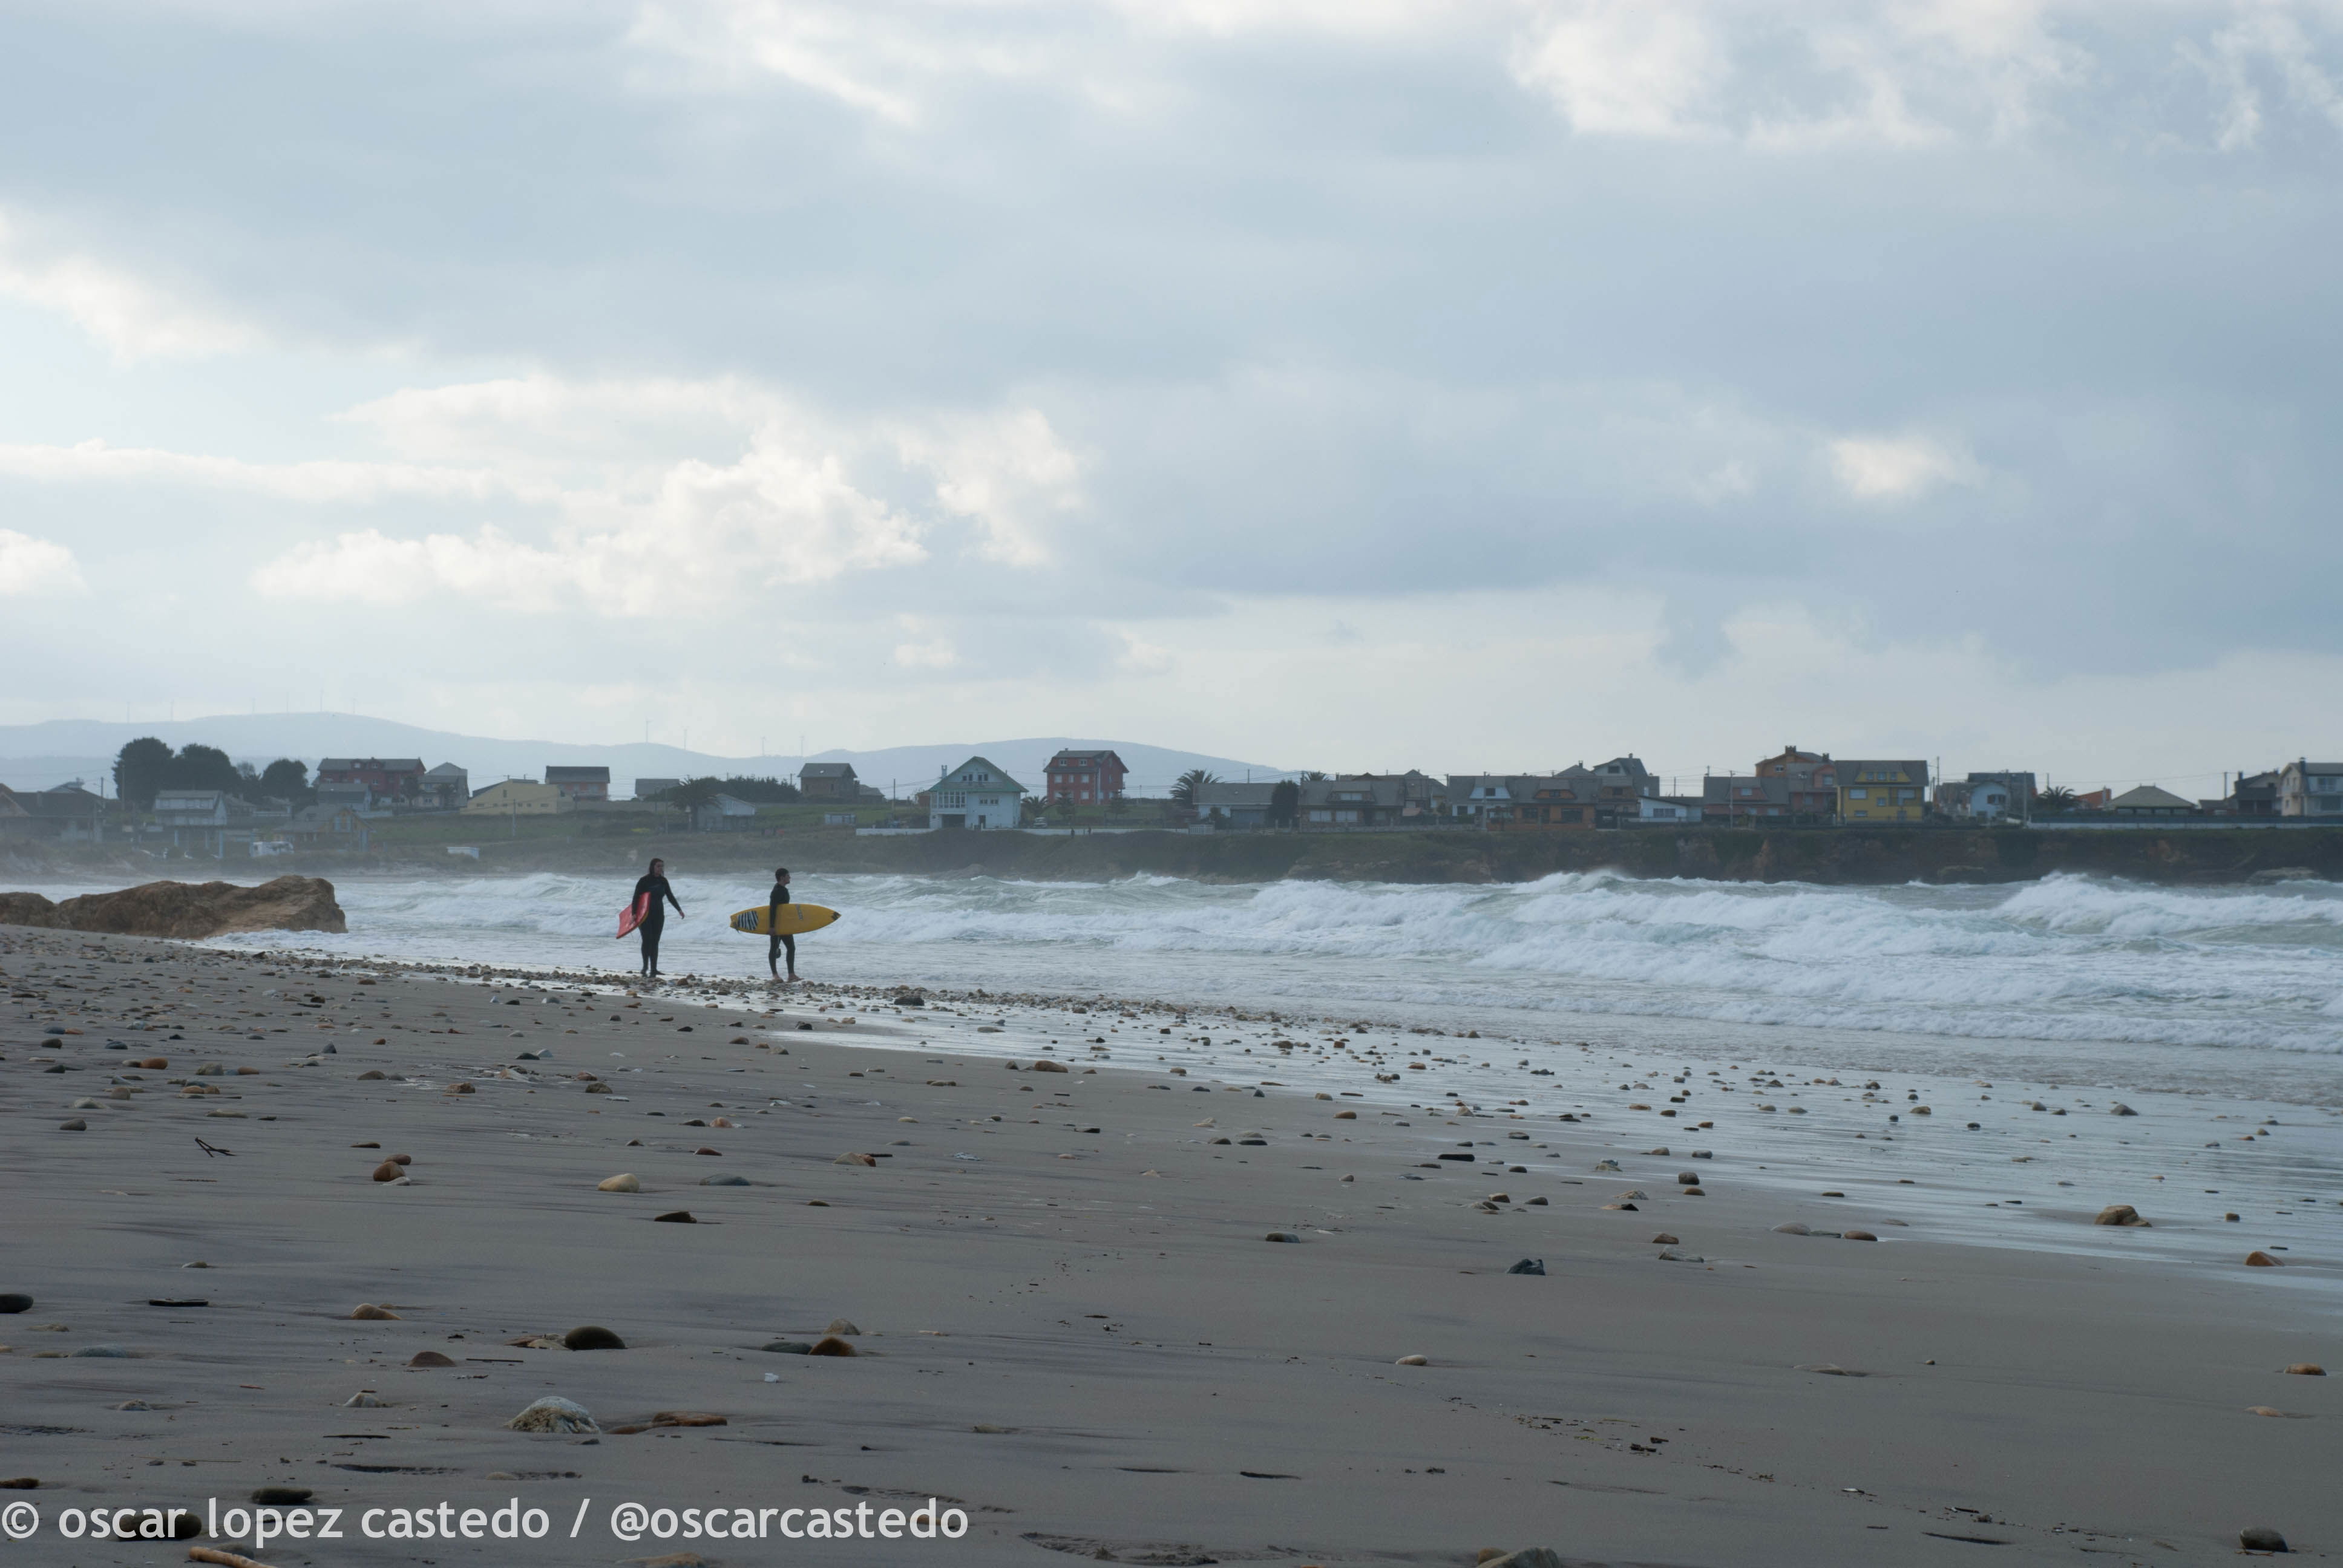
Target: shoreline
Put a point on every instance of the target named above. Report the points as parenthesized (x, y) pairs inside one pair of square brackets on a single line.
[(1071, 1320)]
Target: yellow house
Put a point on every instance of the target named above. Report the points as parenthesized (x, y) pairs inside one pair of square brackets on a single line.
[(517, 797), (1883, 791)]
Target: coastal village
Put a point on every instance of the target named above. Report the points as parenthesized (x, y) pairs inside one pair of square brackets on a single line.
[(199, 801)]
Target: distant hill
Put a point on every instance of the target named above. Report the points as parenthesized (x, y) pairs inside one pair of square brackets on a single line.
[(36, 756)]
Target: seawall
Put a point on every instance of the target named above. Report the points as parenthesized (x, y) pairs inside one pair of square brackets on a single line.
[(1852, 856)]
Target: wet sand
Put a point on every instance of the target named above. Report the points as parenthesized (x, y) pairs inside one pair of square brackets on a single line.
[(1073, 1326)]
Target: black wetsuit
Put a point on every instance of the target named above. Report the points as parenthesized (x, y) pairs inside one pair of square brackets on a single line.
[(654, 919), (778, 939)]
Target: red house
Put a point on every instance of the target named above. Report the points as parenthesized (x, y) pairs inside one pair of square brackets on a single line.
[(1084, 777), (386, 779)]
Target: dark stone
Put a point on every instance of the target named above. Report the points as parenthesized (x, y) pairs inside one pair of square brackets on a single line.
[(16, 1302), (1528, 1266), (1464, 1157), (2261, 1538), (281, 1496), (591, 1338), (791, 1347), (680, 1217)]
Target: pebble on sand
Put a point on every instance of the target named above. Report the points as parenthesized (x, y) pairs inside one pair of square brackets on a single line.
[(365, 1401), (1528, 1557), (1858, 1236), (1412, 1362), (2260, 1260), (854, 1160), (1346, 1116), (2265, 1410), (1280, 1236), (369, 1312), (554, 1414), (831, 1345), (76, 1125), (1048, 1067), (675, 1217), (591, 1337), (626, 1181), (2261, 1538), (2119, 1214), (1664, 1240), (390, 1171), (2299, 1369), (281, 1496), (16, 1302), (727, 1180), (842, 1326), (1528, 1266), (430, 1358), (1792, 1229)]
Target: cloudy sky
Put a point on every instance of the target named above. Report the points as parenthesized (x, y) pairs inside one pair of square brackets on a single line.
[(1336, 383)]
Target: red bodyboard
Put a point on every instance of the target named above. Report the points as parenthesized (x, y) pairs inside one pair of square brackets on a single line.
[(635, 913)]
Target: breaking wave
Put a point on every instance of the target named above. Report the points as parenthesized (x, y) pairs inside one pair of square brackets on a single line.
[(2065, 959)]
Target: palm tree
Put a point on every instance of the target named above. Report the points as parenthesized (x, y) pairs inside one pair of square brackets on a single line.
[(2055, 798), (693, 794), (1184, 791)]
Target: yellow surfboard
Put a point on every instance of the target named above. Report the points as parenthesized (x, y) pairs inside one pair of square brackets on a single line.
[(796, 921)]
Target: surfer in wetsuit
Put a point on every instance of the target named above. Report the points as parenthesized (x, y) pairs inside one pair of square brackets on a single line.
[(649, 892), (779, 938)]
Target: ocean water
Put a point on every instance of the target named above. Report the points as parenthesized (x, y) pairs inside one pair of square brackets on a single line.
[(2224, 990)]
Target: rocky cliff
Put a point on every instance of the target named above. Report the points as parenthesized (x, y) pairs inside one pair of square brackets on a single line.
[(186, 910)]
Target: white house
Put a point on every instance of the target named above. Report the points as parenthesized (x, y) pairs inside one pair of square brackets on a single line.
[(976, 794), (1663, 809)]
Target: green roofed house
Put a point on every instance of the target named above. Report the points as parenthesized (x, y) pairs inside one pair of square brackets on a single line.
[(2147, 800), (977, 793)]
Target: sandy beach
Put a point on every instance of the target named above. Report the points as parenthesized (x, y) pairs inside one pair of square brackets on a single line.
[(1070, 1320)]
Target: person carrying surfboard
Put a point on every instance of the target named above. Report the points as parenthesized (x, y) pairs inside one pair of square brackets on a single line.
[(650, 913), (780, 938)]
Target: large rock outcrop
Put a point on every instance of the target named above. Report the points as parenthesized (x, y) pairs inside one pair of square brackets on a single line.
[(186, 909)]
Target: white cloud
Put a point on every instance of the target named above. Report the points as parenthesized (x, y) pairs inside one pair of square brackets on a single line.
[(133, 317), (658, 492), (1897, 468), (709, 535), (2266, 46), (1007, 471), (936, 653), (1789, 78), (325, 480), (1625, 67), (29, 566)]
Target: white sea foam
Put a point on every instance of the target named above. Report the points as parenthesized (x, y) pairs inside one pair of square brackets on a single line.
[(2068, 958)]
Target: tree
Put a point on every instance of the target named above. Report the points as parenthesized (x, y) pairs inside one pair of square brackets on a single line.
[(694, 793), (2056, 798), (1062, 809), (1195, 778), (286, 779), (138, 770), (766, 790), (201, 767), (1116, 806), (1285, 805)]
